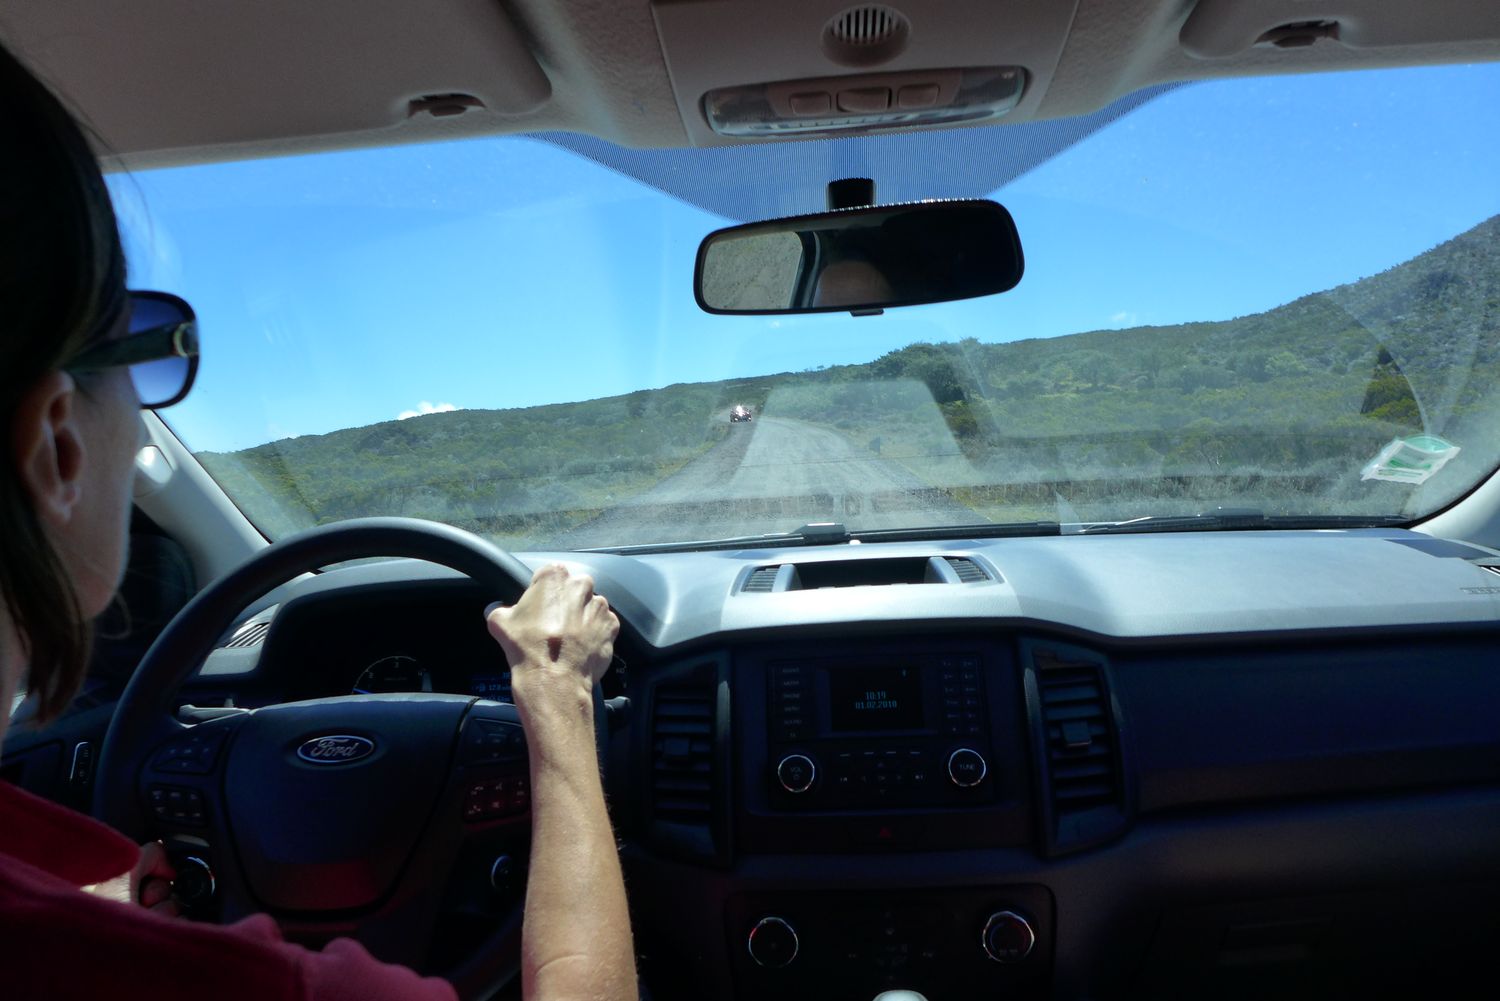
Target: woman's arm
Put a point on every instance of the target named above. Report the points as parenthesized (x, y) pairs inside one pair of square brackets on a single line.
[(575, 940)]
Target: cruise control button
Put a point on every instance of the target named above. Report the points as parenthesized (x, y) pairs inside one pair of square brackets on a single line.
[(191, 754), (487, 741), (177, 805)]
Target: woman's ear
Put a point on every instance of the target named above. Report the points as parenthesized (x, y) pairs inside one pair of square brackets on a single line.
[(48, 447)]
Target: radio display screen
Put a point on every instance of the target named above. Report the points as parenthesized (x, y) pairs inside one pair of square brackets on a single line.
[(876, 698)]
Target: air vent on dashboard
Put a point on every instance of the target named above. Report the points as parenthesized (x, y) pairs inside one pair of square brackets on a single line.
[(682, 754), (1490, 568), (1085, 794), (248, 635), (968, 571), (761, 579)]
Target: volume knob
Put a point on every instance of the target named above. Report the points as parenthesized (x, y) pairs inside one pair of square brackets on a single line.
[(796, 772)]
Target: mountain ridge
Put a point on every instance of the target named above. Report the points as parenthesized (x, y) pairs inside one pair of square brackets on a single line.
[(1324, 380)]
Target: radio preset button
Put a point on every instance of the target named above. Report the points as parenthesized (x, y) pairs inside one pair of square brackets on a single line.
[(966, 767), (796, 773)]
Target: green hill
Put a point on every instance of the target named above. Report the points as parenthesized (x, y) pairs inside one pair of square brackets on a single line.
[(1280, 409)]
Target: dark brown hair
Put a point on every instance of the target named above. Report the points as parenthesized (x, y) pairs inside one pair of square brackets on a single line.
[(62, 283)]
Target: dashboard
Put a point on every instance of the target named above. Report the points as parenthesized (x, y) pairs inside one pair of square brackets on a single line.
[(1231, 764)]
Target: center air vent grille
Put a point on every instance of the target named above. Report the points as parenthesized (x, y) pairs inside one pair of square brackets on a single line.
[(251, 634), (1080, 750), (1084, 780), (682, 754), (1492, 569), (761, 579)]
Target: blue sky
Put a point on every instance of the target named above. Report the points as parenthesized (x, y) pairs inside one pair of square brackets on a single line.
[(343, 289)]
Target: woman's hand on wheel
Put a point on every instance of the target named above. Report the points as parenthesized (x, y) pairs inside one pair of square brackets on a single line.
[(148, 884), (559, 639)]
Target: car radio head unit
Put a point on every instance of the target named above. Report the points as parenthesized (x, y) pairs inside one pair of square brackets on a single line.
[(860, 734)]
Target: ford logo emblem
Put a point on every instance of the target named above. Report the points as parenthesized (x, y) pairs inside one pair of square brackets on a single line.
[(335, 749)]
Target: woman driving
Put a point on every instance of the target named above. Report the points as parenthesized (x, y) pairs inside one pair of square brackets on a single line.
[(79, 356)]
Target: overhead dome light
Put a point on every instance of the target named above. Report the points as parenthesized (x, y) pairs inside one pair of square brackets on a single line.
[(866, 103)]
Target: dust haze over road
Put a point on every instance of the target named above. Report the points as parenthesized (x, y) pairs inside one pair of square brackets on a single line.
[(773, 475)]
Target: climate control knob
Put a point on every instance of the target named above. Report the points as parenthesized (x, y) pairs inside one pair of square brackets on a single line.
[(966, 767), (796, 772), (773, 944), (1008, 937)]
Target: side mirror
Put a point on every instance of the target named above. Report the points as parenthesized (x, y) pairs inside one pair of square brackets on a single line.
[(860, 260)]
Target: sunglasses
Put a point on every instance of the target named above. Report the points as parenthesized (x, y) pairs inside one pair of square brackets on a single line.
[(160, 349)]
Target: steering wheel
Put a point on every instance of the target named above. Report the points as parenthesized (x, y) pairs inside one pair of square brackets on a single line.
[(374, 816)]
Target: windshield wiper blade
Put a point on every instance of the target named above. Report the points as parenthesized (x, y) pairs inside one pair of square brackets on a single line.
[(833, 533), (1232, 520), (797, 538), (984, 530)]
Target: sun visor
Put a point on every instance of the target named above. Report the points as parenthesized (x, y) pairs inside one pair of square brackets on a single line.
[(279, 70), (796, 68), (1218, 29)]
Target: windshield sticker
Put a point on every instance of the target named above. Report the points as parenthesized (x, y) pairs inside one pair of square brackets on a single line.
[(1410, 460)]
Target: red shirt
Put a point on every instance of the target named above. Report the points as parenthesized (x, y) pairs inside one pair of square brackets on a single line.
[(58, 942)]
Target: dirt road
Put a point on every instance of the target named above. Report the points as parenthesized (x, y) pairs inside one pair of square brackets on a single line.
[(774, 475)]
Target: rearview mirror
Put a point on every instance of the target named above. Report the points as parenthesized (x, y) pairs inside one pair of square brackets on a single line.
[(860, 260)]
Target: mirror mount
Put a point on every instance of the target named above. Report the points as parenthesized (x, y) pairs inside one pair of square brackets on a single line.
[(851, 193)]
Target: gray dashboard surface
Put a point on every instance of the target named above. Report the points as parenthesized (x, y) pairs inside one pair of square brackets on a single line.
[(1120, 586)]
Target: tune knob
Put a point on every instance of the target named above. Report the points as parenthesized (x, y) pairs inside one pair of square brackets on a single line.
[(796, 772), (773, 944), (966, 767), (1007, 937)]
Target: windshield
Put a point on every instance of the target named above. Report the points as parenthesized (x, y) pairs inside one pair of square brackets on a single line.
[(1276, 294)]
